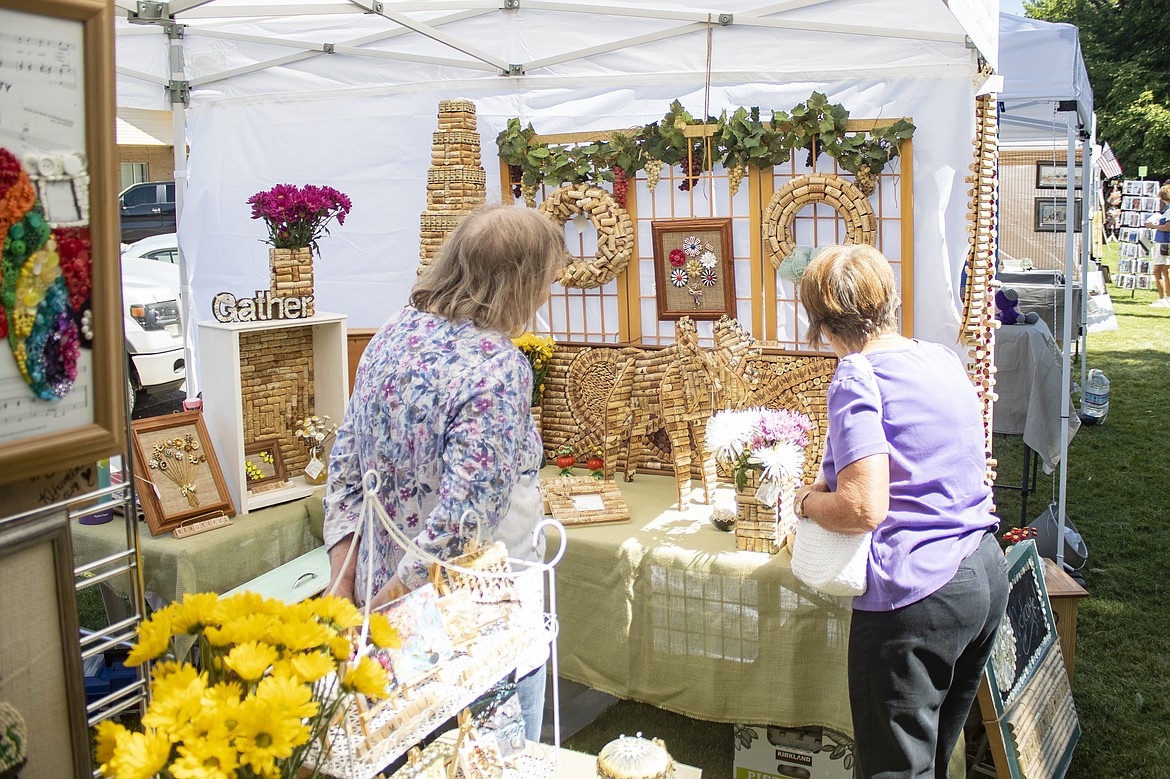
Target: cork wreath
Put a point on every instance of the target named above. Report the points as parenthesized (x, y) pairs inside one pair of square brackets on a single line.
[(615, 239), (849, 201)]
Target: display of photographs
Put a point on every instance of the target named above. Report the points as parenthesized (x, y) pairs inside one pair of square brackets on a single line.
[(1145, 266), (1131, 219), (1150, 188), (1143, 282), (425, 643), (1050, 215), (1128, 250), (1054, 175), (1125, 282), (1149, 204), (1131, 204), (1131, 188), (1124, 266)]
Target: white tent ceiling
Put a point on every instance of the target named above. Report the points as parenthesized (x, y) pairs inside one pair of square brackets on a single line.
[(345, 93), (1042, 67)]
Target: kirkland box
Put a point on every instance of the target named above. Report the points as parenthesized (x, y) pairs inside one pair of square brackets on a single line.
[(766, 752)]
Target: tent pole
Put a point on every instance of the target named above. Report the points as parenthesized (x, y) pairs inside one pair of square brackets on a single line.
[(1070, 198), (179, 128), (1089, 174)]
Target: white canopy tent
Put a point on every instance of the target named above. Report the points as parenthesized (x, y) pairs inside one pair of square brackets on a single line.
[(1046, 95), (345, 93)]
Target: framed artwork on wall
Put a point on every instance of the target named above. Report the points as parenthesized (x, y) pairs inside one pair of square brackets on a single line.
[(41, 680), (62, 381), (1051, 213), (694, 271), (1054, 175), (178, 475)]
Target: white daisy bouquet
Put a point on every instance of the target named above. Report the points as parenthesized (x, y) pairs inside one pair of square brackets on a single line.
[(768, 440), (271, 678)]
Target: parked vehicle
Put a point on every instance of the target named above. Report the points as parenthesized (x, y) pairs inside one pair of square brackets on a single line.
[(163, 248), (147, 209), (154, 331)]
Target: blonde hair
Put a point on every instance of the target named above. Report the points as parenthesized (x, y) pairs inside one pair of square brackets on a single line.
[(849, 293), (495, 268), (1164, 193)]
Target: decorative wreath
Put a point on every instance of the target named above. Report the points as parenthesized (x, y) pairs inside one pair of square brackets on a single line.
[(843, 195), (615, 237)]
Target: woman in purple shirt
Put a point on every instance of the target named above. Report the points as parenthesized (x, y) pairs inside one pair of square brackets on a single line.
[(904, 460)]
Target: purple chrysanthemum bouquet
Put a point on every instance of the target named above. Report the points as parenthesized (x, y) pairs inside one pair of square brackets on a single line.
[(297, 217)]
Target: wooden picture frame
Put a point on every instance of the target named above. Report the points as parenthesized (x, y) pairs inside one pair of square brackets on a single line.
[(40, 650), (1049, 215), (685, 283), (60, 109), (167, 503), (264, 454), (565, 496), (1025, 697), (1051, 174)]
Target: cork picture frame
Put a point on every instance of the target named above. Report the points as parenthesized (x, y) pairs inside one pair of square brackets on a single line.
[(694, 271), (177, 476), (582, 500)]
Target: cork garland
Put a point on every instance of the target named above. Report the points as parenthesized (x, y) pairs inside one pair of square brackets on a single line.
[(615, 238), (843, 195)]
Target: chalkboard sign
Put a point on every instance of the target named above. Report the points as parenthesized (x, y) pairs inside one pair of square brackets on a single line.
[(1025, 697)]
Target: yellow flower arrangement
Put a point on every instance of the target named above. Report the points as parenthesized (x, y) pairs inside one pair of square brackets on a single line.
[(539, 351), (272, 678)]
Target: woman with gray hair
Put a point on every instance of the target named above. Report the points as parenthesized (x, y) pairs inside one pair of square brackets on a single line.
[(440, 410), (905, 460)]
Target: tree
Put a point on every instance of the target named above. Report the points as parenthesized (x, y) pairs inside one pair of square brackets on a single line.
[(1126, 46)]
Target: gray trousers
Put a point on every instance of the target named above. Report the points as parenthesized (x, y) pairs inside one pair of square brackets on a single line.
[(914, 671)]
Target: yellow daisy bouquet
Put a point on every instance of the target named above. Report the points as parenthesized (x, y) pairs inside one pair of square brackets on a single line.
[(539, 351), (273, 677)]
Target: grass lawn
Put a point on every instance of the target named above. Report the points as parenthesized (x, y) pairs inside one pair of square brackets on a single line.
[(1118, 495)]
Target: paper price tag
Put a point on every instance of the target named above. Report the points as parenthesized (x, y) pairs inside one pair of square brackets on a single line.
[(314, 468)]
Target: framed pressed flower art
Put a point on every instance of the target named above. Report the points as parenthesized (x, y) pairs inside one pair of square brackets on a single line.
[(694, 273), (62, 380)]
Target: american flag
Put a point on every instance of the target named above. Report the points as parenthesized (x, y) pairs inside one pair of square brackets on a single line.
[(1110, 167)]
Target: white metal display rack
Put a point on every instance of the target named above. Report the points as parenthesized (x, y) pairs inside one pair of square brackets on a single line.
[(459, 681)]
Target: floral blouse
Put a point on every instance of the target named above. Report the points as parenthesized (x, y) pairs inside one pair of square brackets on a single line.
[(440, 411)]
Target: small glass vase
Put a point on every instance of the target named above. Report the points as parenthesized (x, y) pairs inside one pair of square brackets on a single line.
[(316, 469)]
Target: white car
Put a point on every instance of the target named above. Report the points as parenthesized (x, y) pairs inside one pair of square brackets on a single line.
[(163, 248), (154, 331)]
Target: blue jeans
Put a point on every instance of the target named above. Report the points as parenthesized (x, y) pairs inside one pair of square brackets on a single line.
[(914, 671), (530, 689)]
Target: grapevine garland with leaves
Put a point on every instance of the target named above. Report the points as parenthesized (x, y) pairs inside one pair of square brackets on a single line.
[(739, 139)]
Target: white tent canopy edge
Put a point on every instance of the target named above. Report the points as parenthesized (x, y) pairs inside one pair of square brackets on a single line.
[(364, 123)]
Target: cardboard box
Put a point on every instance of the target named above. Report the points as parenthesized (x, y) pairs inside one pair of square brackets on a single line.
[(767, 752)]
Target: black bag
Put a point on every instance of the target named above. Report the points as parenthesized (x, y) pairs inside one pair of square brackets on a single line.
[(1164, 249)]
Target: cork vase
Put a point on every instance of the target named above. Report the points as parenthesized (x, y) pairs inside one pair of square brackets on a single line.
[(292, 274)]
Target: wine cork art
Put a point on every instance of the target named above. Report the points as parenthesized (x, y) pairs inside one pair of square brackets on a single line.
[(456, 182), (276, 384), (843, 195), (615, 240), (291, 276), (978, 326)]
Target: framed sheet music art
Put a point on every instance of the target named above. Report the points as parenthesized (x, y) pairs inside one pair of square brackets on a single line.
[(62, 378)]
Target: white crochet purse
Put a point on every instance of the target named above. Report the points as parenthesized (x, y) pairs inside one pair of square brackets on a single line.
[(834, 563)]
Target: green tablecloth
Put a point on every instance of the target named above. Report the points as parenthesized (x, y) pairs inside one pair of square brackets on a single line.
[(665, 610), (214, 561)]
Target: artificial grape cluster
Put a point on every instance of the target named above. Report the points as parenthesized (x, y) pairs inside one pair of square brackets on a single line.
[(515, 172), (1018, 534), (866, 180), (529, 193), (621, 185), (690, 175), (653, 170), (735, 175)]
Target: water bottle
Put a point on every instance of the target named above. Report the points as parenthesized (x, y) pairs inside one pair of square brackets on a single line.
[(1095, 398)]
